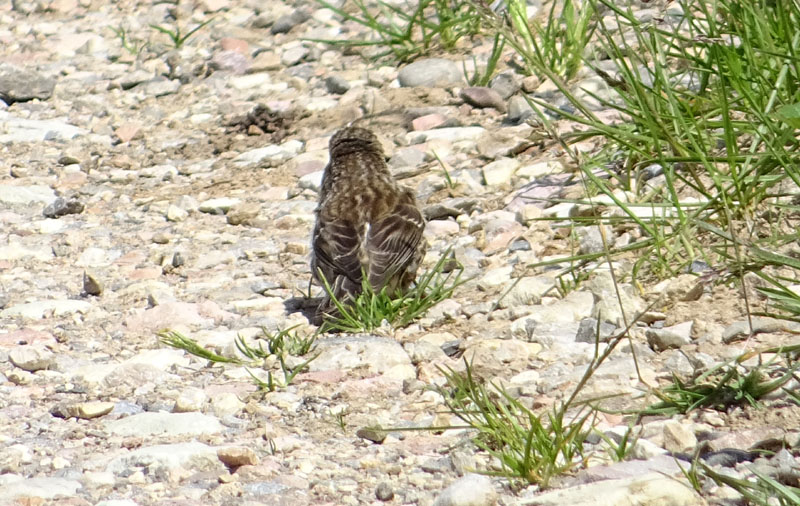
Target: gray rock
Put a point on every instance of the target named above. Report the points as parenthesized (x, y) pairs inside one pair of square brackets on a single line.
[(230, 61), (337, 84), (483, 97), (19, 84), (741, 329), (471, 490), (609, 307), (159, 87), (170, 424), (430, 72), (288, 21), (505, 84), (294, 55), (63, 207), (588, 331), (518, 109), (590, 240), (384, 492), (670, 337)]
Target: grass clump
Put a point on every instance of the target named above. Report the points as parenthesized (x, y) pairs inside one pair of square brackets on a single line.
[(282, 347), (528, 446), (175, 34), (725, 385), (371, 310), (406, 33)]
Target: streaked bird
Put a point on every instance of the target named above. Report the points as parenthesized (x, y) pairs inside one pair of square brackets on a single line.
[(367, 224)]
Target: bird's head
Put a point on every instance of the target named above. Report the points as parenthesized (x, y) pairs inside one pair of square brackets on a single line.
[(354, 140)]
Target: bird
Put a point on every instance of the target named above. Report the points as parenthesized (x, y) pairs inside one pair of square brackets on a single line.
[(366, 224)]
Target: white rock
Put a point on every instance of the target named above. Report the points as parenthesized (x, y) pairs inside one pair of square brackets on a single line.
[(38, 310), (170, 424), (311, 181), (652, 489), (471, 490), (500, 171), (194, 455)]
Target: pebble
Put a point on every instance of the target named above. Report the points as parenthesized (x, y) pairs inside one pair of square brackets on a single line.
[(237, 456), (518, 109), (471, 490), (62, 207), (500, 171), (481, 96), (91, 285), (430, 72)]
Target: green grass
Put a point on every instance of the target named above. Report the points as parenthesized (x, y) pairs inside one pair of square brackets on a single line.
[(726, 385), (175, 34), (279, 345), (405, 34), (371, 310)]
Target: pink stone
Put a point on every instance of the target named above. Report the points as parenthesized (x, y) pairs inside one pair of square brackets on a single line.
[(428, 122), (238, 45)]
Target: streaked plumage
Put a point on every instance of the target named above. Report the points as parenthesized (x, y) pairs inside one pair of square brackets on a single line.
[(366, 222)]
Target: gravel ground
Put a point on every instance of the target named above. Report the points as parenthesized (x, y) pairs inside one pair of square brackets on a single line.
[(145, 187)]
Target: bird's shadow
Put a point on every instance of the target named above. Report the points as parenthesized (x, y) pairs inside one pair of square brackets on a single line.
[(307, 306)]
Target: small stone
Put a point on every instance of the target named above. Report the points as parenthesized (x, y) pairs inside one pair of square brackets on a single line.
[(371, 434), (590, 240), (191, 399), (285, 23), (231, 61), (430, 72), (518, 109), (91, 285), (226, 404), (678, 437), (384, 492), (218, 206), (670, 337), (483, 97), (505, 84), (589, 333), (176, 214), (237, 456), (62, 207), (31, 359), (500, 171), (337, 84), (471, 490), (243, 214), (83, 410)]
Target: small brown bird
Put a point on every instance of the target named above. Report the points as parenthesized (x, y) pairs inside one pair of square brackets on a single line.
[(366, 222)]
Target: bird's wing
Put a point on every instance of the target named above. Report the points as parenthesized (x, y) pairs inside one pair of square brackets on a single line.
[(336, 245), (392, 244)]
